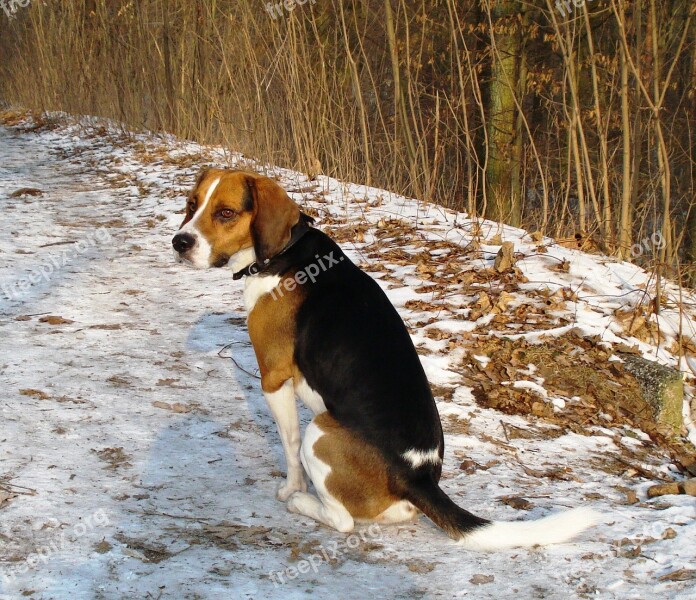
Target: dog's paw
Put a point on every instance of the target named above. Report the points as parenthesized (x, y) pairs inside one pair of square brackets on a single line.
[(288, 488), (294, 501)]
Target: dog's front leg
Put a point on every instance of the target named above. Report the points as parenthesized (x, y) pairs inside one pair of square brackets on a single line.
[(284, 409)]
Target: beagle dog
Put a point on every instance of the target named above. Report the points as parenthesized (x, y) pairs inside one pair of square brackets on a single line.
[(324, 331)]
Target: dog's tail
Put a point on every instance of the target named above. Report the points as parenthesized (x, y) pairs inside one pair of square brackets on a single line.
[(475, 533)]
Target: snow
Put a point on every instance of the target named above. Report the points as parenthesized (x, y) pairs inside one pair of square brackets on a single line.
[(143, 462), (531, 385)]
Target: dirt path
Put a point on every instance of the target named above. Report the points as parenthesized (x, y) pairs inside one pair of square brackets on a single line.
[(135, 462)]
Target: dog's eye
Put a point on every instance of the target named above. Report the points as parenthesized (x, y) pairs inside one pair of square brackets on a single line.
[(227, 213), (192, 206)]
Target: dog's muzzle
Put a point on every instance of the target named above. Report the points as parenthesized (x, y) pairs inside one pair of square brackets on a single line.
[(183, 242)]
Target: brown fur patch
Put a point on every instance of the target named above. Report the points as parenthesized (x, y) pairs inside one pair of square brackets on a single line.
[(272, 332), (359, 477)]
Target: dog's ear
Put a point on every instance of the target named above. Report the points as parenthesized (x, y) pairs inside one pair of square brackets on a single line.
[(274, 215)]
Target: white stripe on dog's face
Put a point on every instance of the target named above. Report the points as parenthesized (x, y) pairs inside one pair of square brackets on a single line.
[(200, 255)]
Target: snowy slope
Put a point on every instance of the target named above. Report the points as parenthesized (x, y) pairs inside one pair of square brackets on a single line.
[(138, 461)]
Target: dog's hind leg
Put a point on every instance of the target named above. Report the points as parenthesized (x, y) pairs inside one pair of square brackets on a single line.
[(326, 508), (350, 476)]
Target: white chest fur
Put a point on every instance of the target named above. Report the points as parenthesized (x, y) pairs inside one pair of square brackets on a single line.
[(256, 286)]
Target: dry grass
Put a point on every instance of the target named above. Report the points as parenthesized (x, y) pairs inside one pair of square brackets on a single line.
[(397, 95)]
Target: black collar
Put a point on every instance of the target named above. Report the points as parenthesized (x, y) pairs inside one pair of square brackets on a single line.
[(298, 230)]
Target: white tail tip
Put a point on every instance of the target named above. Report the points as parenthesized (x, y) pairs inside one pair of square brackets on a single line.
[(555, 529)]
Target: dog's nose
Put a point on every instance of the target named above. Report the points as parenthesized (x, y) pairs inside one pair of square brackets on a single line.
[(183, 242)]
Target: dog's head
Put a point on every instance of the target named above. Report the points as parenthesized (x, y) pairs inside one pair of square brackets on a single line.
[(234, 215)]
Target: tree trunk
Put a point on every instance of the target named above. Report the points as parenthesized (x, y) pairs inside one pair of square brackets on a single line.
[(626, 223), (518, 154), (502, 203)]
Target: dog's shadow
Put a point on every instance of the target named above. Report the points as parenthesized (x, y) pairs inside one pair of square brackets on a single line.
[(226, 334), (227, 448)]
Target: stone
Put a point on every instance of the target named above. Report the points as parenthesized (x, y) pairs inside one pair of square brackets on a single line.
[(662, 388), (663, 489), (676, 487), (688, 487)]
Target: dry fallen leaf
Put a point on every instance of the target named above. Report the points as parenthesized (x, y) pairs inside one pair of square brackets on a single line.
[(176, 407), (679, 575), (505, 259), (103, 547), (35, 394), (5, 498), (420, 566), (55, 320), (517, 502), (562, 267)]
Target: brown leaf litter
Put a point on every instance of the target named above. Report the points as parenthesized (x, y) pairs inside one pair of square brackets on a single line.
[(143, 550), (598, 392), (114, 457)]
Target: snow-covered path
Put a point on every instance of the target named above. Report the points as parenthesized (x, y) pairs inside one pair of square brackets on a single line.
[(141, 464)]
